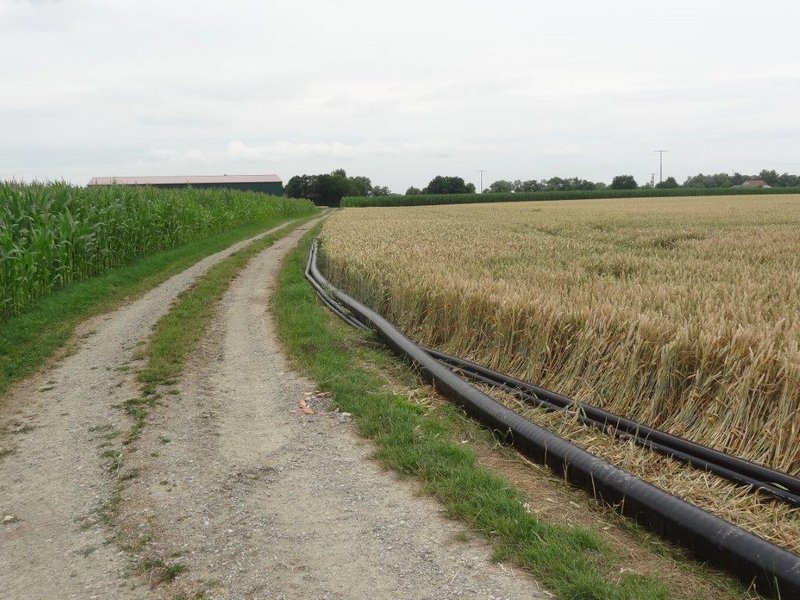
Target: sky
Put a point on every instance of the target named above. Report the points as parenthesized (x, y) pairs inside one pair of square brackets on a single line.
[(398, 92)]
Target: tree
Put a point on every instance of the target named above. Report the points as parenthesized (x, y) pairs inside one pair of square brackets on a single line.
[(771, 177), (624, 182), (329, 189), (501, 186), (448, 185), (359, 186), (738, 179), (378, 190), (332, 188), (568, 184), (531, 185), (722, 180), (718, 180), (668, 183), (412, 191), (302, 186)]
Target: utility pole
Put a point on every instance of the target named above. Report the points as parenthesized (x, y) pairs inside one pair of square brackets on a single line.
[(660, 164), (481, 171)]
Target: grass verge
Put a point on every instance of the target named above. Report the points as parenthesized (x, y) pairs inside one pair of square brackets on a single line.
[(28, 340), (572, 562)]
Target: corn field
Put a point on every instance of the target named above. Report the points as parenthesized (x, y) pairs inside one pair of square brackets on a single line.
[(52, 235), (683, 313), (431, 199)]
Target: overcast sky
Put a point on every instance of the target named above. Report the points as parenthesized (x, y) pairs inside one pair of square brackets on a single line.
[(398, 92)]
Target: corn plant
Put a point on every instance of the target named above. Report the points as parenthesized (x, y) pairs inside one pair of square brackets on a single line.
[(430, 199), (55, 234)]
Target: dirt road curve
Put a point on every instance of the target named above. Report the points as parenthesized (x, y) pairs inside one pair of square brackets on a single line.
[(251, 499)]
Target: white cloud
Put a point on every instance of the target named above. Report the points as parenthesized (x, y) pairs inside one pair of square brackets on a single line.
[(336, 150), (240, 152)]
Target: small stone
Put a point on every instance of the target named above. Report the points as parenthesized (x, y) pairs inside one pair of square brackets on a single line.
[(8, 519)]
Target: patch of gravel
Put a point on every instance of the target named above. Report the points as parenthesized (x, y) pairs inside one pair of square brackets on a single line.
[(53, 480), (256, 499)]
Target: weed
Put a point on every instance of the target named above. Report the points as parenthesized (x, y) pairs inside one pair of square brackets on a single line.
[(131, 474)]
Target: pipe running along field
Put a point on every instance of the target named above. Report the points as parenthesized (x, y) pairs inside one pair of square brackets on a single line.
[(746, 556)]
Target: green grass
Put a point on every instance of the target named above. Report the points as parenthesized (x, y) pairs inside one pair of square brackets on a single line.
[(572, 562), (28, 340), (430, 199)]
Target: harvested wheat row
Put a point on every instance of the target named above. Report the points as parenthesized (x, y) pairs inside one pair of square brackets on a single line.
[(766, 517)]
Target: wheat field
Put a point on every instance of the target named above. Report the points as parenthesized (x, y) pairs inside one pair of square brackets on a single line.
[(683, 313)]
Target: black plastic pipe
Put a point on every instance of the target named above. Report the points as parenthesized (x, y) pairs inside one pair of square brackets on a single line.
[(323, 296), (746, 556), (690, 459), (784, 485), (762, 479)]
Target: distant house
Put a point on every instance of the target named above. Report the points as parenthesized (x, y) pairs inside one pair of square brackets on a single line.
[(753, 183), (267, 184)]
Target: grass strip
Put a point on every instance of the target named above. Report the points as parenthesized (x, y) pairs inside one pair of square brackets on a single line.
[(28, 340), (571, 562)]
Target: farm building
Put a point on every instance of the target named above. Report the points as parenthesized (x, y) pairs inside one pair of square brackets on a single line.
[(754, 183), (268, 184)]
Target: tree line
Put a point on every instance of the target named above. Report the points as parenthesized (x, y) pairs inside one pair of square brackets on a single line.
[(329, 188), (720, 180), (628, 182)]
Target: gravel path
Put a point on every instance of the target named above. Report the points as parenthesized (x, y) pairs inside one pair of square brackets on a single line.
[(232, 484), (54, 484)]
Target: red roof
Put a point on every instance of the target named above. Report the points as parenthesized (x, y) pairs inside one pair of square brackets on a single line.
[(184, 180)]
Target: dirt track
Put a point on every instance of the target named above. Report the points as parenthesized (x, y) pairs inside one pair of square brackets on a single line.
[(227, 481)]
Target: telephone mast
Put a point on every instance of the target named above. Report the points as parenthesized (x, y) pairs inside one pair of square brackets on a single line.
[(660, 164)]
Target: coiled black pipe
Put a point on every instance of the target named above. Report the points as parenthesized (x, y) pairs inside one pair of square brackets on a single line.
[(335, 308), (742, 472), (744, 555)]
